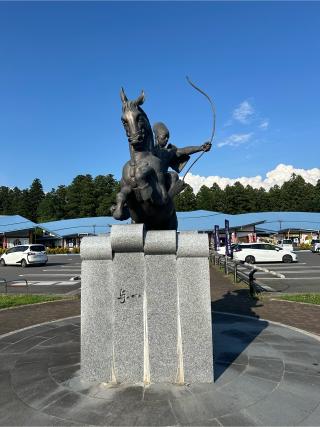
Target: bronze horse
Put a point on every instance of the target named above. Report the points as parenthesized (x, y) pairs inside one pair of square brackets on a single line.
[(145, 182), (141, 196)]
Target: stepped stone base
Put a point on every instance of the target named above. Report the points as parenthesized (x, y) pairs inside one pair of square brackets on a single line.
[(145, 307)]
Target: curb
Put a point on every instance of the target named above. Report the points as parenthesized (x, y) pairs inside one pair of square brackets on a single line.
[(38, 324), (36, 303), (295, 302)]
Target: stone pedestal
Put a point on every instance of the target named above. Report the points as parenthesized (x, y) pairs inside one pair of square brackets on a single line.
[(145, 307)]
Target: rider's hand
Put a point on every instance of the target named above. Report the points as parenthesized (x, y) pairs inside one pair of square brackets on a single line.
[(206, 146)]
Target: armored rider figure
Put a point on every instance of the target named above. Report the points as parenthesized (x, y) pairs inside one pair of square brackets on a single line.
[(173, 157)]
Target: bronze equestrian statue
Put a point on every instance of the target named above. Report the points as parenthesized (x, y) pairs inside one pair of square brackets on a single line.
[(147, 188)]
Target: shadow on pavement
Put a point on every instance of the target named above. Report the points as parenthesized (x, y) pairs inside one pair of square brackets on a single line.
[(232, 334)]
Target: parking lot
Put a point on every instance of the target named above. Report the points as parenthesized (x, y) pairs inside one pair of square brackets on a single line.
[(54, 278), (303, 276), (57, 277)]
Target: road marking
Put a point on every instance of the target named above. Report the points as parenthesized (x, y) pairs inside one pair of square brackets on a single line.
[(289, 278), (68, 283), (70, 266), (66, 270), (45, 283), (293, 272), (55, 283), (45, 274), (282, 265)]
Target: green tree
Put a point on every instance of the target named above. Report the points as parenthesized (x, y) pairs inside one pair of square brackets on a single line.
[(204, 198), (80, 197), (295, 194), (4, 200), (211, 199), (33, 199), (275, 198), (236, 199), (186, 201), (106, 188)]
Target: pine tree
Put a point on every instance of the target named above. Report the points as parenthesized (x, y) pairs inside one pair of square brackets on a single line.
[(106, 188), (34, 197), (80, 197), (186, 201)]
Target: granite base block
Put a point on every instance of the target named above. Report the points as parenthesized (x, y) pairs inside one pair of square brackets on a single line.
[(146, 314)]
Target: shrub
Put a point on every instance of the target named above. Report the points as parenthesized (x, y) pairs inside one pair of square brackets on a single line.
[(57, 251), (304, 246), (75, 250)]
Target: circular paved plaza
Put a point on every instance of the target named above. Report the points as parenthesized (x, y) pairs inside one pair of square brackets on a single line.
[(265, 374)]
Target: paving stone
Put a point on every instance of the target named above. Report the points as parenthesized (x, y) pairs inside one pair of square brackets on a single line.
[(263, 367), (23, 345), (166, 392), (277, 411), (204, 422), (303, 368), (312, 419), (204, 406), (225, 373), (249, 389), (241, 418), (158, 413), (122, 392), (63, 373), (84, 409), (305, 386)]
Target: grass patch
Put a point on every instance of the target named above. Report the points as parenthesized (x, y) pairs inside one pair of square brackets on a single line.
[(7, 301), (308, 298)]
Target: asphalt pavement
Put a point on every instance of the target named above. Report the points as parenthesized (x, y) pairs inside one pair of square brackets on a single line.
[(302, 276), (54, 278), (57, 276)]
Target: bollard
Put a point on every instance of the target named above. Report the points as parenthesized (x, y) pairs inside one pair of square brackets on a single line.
[(251, 283), (235, 272)]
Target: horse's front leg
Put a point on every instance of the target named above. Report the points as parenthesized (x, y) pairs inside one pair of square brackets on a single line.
[(120, 211)]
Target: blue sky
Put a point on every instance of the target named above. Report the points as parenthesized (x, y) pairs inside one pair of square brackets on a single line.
[(63, 64)]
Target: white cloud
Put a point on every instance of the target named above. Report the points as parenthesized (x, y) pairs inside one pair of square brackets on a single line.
[(243, 113), (264, 124), (235, 139), (279, 175)]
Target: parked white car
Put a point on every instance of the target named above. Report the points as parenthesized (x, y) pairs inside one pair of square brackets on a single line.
[(315, 245), (222, 249), (25, 255), (286, 244), (262, 252)]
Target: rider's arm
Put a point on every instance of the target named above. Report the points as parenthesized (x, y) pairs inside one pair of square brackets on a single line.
[(193, 149)]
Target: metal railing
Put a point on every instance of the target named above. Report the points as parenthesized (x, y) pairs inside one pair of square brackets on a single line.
[(14, 284), (232, 266)]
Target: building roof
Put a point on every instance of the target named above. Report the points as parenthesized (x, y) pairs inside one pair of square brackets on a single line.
[(10, 223), (187, 221), (206, 220), (200, 220), (277, 221), (80, 226)]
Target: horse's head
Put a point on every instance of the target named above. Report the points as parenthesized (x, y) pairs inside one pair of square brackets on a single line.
[(136, 123)]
